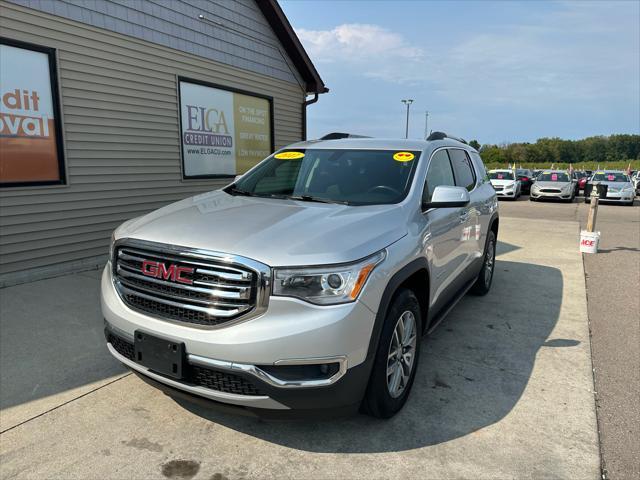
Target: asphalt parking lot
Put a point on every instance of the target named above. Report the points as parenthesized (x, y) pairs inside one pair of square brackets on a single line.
[(613, 283), (504, 390)]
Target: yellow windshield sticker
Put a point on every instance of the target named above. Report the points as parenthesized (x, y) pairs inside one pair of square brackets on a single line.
[(599, 173), (403, 156), (547, 173), (289, 155)]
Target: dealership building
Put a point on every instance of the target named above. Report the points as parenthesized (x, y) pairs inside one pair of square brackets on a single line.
[(112, 108)]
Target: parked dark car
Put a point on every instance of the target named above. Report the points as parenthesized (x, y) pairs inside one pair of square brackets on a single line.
[(526, 179)]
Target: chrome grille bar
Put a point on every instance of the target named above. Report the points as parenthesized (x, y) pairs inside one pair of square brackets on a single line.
[(211, 290)]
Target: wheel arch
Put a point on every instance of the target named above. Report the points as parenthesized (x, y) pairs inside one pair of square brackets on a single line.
[(415, 276)]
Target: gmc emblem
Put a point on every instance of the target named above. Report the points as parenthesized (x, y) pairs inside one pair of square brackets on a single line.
[(160, 270)]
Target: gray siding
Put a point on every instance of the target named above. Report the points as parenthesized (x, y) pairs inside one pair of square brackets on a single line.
[(235, 32), (120, 123)]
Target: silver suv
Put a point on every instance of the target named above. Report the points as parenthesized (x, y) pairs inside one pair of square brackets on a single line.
[(307, 283)]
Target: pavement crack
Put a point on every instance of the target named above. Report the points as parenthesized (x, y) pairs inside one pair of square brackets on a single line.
[(66, 403)]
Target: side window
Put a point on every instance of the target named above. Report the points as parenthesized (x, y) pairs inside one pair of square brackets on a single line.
[(439, 173), (462, 168), (479, 164)]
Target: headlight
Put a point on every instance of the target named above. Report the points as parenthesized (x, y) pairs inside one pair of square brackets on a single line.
[(328, 285), (627, 189), (510, 185)]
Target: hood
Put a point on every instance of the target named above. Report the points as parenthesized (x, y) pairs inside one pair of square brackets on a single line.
[(559, 185), (273, 231)]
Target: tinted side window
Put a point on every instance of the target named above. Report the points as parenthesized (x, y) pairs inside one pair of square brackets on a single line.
[(462, 168), (479, 166), (439, 173)]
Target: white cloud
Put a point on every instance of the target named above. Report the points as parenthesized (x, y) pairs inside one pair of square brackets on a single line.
[(372, 50), (578, 51)]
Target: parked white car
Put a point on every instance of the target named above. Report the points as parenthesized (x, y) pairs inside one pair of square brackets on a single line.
[(505, 184)]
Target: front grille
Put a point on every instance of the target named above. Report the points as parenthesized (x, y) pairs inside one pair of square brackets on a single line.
[(193, 289), (196, 375), (123, 347), (550, 190), (221, 381)]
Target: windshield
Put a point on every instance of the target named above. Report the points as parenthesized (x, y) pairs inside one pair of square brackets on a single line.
[(610, 177), (354, 177), (523, 173), (553, 177), (501, 175)]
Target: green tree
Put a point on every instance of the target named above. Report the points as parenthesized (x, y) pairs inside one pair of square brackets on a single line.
[(475, 144)]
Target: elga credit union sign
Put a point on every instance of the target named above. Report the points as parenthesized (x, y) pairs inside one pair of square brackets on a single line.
[(223, 132), (30, 141)]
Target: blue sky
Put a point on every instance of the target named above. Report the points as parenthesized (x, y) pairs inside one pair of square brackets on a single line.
[(493, 71)]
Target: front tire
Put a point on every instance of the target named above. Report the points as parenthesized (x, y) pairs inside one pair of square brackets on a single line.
[(396, 360), (485, 277)]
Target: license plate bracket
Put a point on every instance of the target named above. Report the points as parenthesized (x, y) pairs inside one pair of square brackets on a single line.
[(160, 355)]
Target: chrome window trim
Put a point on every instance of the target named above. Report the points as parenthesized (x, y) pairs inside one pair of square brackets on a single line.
[(262, 271)]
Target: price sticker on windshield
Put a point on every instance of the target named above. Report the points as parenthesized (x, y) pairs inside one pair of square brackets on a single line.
[(500, 176), (554, 177), (403, 156), (610, 177), (289, 155)]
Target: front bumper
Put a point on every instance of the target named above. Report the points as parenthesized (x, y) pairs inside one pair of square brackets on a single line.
[(618, 197), (290, 332), (506, 193), (551, 195)]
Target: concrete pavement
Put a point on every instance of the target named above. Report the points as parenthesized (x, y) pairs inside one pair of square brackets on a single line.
[(613, 283), (504, 390)]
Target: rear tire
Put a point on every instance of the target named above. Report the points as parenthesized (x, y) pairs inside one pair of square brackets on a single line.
[(485, 277), (396, 360)]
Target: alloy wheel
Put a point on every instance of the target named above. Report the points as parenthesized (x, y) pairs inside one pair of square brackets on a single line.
[(489, 261), (401, 355)]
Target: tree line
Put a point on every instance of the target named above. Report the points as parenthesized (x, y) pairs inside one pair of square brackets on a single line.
[(596, 150)]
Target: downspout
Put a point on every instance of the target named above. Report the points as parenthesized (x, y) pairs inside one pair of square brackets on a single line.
[(304, 114)]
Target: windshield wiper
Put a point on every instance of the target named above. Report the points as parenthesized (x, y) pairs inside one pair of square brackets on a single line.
[(309, 198), (233, 190)]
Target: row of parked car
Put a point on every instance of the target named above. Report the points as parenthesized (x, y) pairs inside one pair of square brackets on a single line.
[(615, 186)]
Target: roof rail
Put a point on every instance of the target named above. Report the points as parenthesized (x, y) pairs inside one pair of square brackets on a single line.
[(442, 136), (339, 135)]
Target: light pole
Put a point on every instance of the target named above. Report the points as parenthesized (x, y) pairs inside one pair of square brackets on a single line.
[(426, 124), (408, 103)]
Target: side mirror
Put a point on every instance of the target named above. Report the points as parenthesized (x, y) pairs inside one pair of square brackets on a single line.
[(448, 197)]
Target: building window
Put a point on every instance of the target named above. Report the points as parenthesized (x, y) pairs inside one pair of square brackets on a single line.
[(223, 132), (31, 150)]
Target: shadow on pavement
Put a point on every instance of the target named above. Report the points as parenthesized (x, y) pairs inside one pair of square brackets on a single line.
[(51, 338), (473, 370)]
